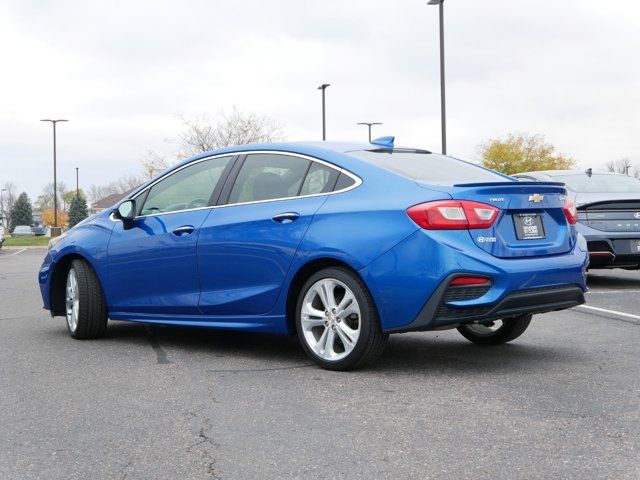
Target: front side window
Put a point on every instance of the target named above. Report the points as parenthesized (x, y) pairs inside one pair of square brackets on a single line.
[(268, 176), (186, 189)]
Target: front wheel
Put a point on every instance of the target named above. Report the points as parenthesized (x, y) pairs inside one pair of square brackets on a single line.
[(337, 321), (496, 332), (86, 309)]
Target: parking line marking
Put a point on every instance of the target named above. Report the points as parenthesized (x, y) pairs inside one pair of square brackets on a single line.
[(15, 253), (613, 291), (612, 312)]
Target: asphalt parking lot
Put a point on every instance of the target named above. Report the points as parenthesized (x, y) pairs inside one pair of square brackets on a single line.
[(563, 401)]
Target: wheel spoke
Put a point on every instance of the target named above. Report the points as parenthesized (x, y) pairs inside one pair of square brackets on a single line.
[(347, 341), (351, 334), (329, 288), (329, 342), (310, 322), (350, 310), (320, 291), (347, 300)]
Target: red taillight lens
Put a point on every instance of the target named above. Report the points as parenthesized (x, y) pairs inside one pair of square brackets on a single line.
[(469, 281), (453, 215), (571, 212)]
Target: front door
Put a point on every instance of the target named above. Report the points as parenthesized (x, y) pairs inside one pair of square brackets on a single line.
[(152, 259)]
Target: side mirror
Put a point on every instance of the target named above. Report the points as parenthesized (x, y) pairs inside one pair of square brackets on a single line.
[(126, 211)]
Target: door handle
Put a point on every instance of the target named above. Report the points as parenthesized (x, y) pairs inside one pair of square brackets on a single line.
[(184, 230), (286, 217)]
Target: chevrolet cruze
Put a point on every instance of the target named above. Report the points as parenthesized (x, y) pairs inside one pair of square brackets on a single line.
[(339, 244)]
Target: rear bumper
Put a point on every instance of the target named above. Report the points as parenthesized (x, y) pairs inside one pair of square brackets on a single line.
[(437, 313), (409, 282), (610, 249)]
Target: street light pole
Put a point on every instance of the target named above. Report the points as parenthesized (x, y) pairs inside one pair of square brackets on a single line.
[(55, 173), (369, 124), (443, 107), (323, 87)]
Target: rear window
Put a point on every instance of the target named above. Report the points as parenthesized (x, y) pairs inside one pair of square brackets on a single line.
[(429, 167), (600, 183)]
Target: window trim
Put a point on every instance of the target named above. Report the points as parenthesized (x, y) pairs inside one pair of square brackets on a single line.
[(237, 159)]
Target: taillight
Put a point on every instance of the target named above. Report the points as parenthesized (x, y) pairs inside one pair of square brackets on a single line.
[(571, 212), (453, 215)]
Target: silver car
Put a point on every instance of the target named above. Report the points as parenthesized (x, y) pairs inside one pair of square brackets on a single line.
[(22, 231)]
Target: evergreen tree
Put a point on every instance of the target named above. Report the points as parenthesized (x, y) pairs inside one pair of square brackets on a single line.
[(21, 212), (77, 210)]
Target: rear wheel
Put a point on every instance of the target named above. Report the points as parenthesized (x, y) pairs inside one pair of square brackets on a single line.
[(496, 332), (337, 322), (86, 309)]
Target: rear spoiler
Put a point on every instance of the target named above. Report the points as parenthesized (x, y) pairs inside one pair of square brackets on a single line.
[(506, 184)]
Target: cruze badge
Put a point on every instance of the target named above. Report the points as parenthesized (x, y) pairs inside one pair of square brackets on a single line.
[(537, 198), (636, 215)]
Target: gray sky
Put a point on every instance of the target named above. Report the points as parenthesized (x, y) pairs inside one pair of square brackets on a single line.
[(122, 71)]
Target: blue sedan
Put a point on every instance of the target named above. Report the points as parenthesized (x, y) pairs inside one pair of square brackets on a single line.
[(339, 244)]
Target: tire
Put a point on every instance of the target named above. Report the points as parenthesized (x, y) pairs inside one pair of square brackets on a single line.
[(85, 306), (349, 320), (510, 329)]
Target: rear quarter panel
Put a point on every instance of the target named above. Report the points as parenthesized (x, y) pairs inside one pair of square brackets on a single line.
[(360, 225)]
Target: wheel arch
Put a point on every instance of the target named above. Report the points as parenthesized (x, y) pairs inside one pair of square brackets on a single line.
[(303, 274), (59, 280)]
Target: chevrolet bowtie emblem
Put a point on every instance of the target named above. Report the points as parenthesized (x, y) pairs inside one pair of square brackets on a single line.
[(537, 198)]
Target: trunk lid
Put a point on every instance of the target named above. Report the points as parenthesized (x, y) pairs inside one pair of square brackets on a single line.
[(531, 221), (609, 212)]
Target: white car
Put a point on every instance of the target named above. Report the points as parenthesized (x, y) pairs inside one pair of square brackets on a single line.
[(22, 231)]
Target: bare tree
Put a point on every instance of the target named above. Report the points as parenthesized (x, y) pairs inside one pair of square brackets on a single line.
[(622, 166), (122, 185), (153, 164), (45, 200), (201, 134), (127, 183), (9, 197)]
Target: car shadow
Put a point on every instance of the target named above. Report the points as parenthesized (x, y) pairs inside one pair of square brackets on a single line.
[(431, 352), (426, 353), (612, 282)]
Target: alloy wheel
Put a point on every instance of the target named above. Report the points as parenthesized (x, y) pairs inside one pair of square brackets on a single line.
[(330, 319), (73, 300), (485, 329)]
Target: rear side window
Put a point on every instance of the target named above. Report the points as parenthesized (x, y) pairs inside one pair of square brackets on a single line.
[(428, 167), (319, 179), (344, 181), (266, 176)]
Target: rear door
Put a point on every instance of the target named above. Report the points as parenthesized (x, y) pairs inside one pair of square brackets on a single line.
[(247, 244)]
